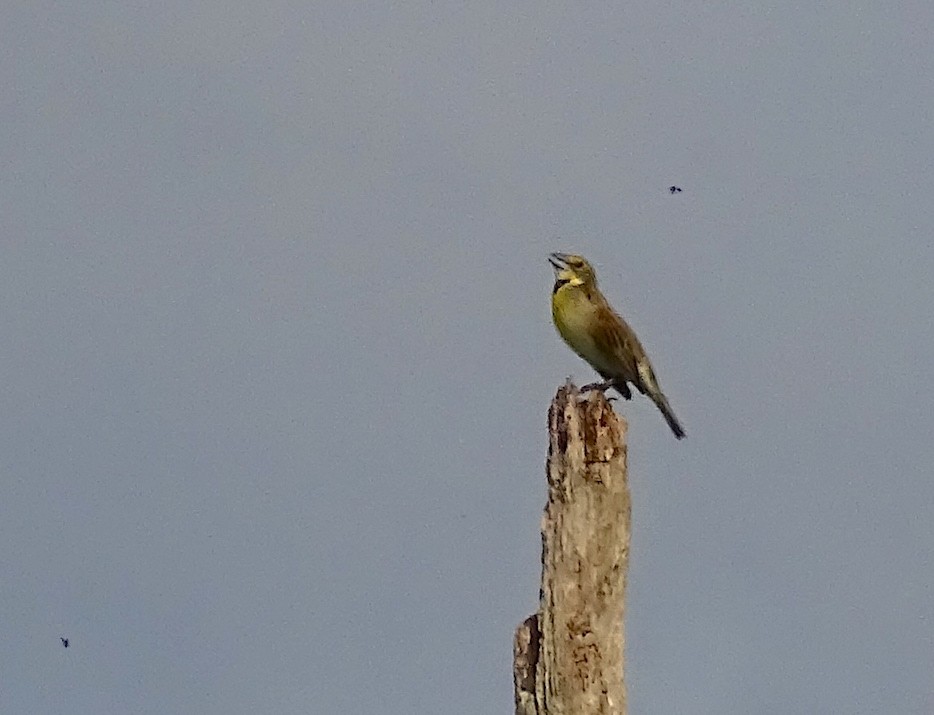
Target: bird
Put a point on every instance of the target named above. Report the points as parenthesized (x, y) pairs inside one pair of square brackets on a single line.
[(674, 189), (64, 641), (596, 332)]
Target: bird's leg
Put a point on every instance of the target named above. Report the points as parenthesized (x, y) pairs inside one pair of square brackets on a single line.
[(619, 385), (599, 386)]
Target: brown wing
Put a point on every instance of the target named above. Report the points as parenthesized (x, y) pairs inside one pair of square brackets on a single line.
[(613, 332)]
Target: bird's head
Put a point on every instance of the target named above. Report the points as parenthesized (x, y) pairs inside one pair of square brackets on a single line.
[(571, 269)]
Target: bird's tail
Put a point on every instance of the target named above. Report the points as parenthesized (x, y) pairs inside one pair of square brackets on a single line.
[(659, 399)]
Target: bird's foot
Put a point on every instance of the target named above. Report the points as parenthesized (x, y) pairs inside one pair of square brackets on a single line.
[(619, 385), (598, 386)]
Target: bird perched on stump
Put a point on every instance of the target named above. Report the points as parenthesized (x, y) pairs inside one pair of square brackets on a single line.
[(593, 330)]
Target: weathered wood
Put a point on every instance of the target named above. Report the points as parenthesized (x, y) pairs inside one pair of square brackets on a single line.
[(568, 658)]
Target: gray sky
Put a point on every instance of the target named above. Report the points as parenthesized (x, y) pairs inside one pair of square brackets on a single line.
[(277, 349)]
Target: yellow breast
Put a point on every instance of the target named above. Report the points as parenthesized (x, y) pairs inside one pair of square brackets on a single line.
[(574, 314)]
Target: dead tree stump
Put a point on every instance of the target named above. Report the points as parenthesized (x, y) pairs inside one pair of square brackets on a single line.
[(568, 657)]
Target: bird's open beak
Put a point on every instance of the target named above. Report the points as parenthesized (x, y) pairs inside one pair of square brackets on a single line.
[(558, 261)]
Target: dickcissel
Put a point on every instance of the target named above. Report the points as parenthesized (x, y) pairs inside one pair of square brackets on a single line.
[(593, 330)]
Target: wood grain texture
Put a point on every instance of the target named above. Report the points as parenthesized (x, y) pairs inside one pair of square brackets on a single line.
[(568, 658)]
